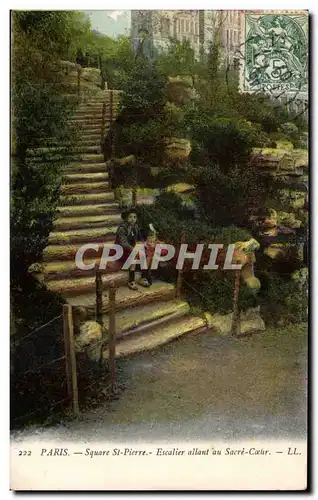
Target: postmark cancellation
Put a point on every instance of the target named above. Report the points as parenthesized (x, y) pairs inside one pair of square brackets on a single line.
[(274, 48)]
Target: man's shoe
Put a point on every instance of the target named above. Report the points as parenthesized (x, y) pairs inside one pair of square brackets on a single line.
[(144, 282), (132, 285)]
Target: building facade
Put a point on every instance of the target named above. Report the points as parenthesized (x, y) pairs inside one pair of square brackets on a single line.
[(198, 27)]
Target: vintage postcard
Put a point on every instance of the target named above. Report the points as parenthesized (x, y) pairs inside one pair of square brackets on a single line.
[(159, 250)]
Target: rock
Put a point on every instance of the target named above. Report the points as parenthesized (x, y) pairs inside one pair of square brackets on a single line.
[(289, 220), (277, 251), (250, 321), (127, 160), (79, 315), (270, 232), (220, 323), (250, 280), (36, 268), (178, 148), (91, 75), (180, 90), (90, 333), (301, 276), (244, 255)]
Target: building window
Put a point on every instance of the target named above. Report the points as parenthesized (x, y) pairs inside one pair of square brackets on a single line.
[(165, 26), (187, 26)]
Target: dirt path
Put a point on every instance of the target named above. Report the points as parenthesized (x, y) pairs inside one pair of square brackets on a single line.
[(202, 387)]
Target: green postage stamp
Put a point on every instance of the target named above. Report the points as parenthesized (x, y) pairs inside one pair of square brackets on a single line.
[(275, 51)]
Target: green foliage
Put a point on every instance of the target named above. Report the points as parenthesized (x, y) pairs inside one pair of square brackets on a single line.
[(227, 187), (171, 217), (58, 33), (40, 111), (115, 58), (212, 135), (283, 300), (259, 109), (144, 91), (145, 120), (178, 60), (208, 290), (213, 291)]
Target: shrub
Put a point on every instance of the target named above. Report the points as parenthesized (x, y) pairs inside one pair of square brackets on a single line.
[(208, 290), (40, 111), (283, 300)]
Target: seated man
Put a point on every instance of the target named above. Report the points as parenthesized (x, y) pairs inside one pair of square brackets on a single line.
[(128, 235)]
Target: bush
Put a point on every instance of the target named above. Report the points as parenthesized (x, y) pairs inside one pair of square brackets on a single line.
[(213, 291), (40, 113), (208, 290), (171, 217), (283, 300)]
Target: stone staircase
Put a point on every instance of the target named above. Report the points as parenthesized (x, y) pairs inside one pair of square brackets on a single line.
[(89, 214)]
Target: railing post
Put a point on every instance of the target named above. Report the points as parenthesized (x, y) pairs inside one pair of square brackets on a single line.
[(99, 297), (102, 132), (70, 358), (111, 118), (180, 271), (79, 82), (112, 337), (134, 195), (236, 312)]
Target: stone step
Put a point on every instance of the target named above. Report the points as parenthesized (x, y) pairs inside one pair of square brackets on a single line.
[(91, 130), (78, 286), (68, 269), (71, 158), (71, 240), (92, 112), (79, 210), (88, 198), (101, 99), (141, 318), (84, 187), (88, 136), (88, 113), (68, 223), (125, 298), (90, 108), (90, 142), (87, 177), (158, 336), (78, 142), (86, 121), (85, 167), (92, 158), (67, 251), (61, 149)]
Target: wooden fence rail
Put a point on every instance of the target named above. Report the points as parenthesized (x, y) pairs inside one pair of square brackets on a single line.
[(112, 336), (236, 312), (179, 275), (71, 371)]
